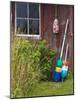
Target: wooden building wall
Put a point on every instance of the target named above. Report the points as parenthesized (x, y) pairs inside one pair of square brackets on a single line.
[(55, 40), (12, 14)]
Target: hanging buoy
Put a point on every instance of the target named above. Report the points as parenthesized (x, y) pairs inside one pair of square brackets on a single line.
[(56, 26)]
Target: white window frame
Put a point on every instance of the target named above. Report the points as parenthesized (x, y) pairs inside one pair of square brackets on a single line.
[(29, 35)]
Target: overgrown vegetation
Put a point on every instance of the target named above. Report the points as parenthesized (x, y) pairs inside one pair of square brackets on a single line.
[(53, 89), (31, 62)]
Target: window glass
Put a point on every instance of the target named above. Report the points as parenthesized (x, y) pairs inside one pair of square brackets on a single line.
[(21, 26), (21, 9), (34, 27), (27, 18), (33, 10)]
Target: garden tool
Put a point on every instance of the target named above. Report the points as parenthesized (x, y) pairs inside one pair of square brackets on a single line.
[(59, 63), (65, 66)]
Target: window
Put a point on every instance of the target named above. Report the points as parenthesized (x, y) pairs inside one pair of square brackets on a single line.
[(27, 18)]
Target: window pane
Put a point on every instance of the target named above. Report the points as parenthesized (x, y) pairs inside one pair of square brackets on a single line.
[(21, 9), (33, 10), (21, 26), (34, 27)]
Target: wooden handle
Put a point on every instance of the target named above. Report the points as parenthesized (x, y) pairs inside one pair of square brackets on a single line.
[(64, 38)]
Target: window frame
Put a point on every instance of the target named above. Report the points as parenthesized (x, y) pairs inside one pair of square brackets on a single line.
[(28, 35)]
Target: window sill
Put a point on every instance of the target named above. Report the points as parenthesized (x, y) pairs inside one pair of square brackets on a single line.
[(29, 36)]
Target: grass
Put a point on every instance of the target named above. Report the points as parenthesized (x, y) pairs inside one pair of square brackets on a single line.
[(52, 88), (29, 68)]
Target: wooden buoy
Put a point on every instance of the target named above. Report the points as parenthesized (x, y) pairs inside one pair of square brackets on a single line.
[(66, 63), (57, 76), (56, 26), (65, 66), (59, 62), (58, 69)]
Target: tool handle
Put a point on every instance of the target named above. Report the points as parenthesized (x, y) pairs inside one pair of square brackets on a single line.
[(66, 52), (64, 38)]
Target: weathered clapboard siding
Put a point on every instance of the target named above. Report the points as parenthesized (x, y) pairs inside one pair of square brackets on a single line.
[(47, 17)]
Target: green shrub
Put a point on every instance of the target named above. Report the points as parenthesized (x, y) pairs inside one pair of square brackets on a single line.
[(45, 59), (31, 62), (24, 70)]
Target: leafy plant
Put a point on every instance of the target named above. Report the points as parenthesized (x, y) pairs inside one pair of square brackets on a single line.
[(45, 59), (24, 72), (31, 62)]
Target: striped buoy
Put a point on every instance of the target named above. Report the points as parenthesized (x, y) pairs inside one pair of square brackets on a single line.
[(59, 62), (64, 72), (58, 69), (65, 66), (57, 76)]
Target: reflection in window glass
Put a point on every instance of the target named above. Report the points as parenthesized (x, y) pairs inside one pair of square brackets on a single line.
[(34, 27), (21, 26), (21, 9), (27, 18), (33, 10)]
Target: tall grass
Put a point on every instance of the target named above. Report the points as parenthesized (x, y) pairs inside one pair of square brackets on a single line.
[(29, 64)]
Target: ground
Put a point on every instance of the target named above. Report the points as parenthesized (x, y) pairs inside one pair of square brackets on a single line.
[(53, 88)]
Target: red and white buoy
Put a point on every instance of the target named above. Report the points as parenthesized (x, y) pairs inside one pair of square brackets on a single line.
[(65, 66)]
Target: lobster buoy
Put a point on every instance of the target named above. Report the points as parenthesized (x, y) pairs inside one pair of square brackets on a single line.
[(56, 26), (64, 72), (66, 63), (57, 76), (59, 62), (58, 69), (65, 66)]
